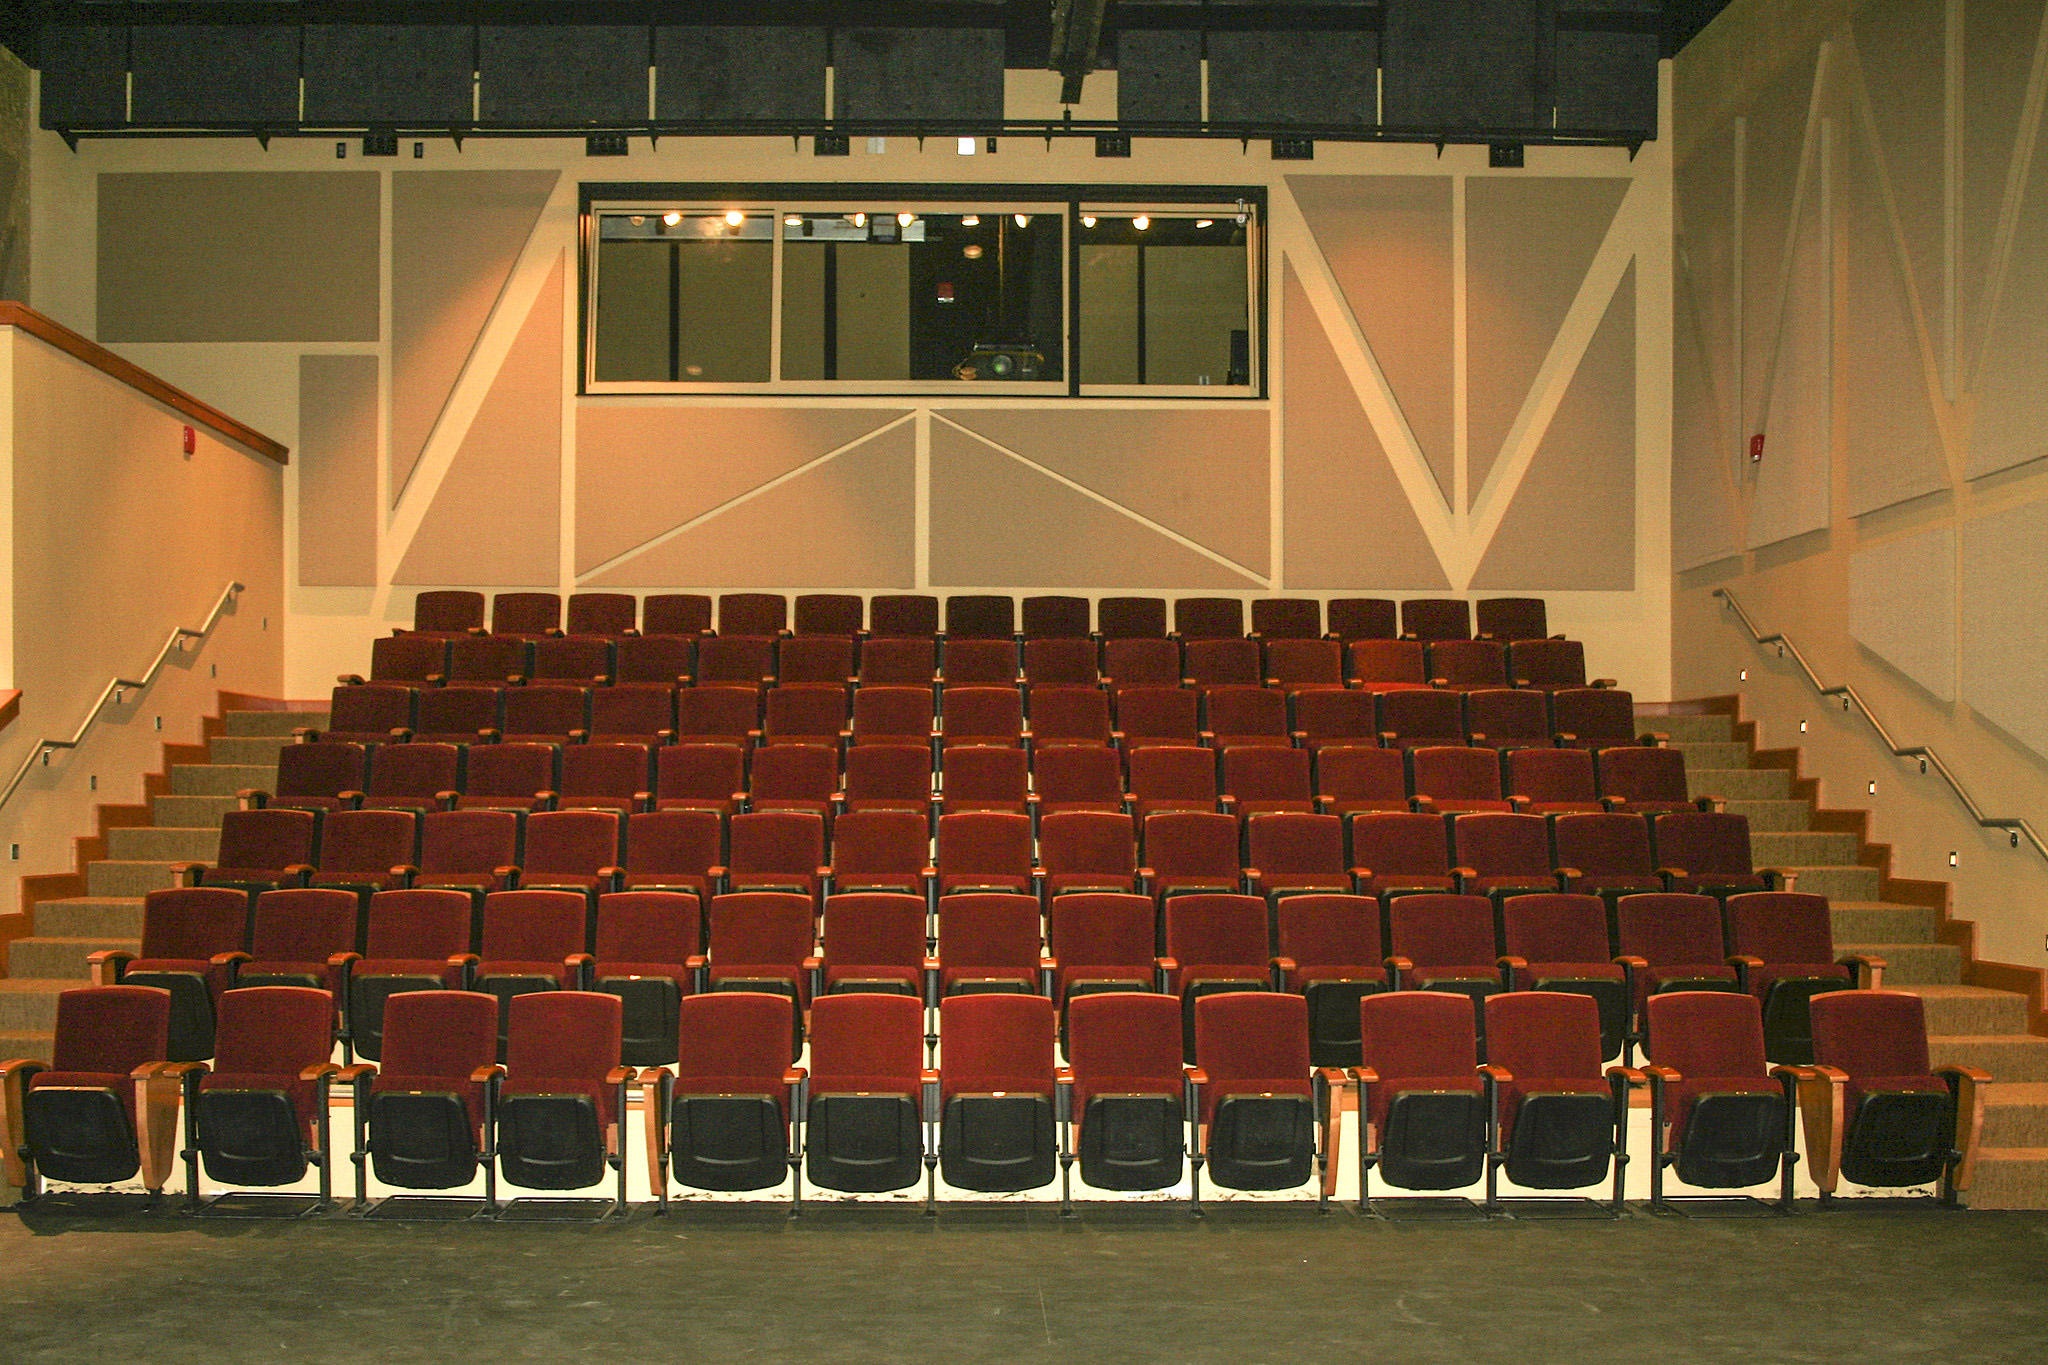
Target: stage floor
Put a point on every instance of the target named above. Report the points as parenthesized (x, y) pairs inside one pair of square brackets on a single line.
[(877, 1282)]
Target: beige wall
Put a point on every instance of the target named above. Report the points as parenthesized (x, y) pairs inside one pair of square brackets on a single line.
[(1442, 402), (1863, 279), (118, 537)]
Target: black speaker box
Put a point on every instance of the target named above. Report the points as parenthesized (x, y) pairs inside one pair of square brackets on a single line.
[(389, 73), (561, 75), (85, 74), (918, 73), (215, 73), (728, 72)]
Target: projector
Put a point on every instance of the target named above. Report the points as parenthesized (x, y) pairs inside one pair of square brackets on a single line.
[(999, 360)]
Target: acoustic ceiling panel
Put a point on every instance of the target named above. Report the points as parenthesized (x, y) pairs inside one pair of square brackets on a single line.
[(389, 73), (562, 74), (917, 73), (1158, 76), (214, 73), (1459, 64), (722, 72), (1607, 82), (85, 74), (1295, 77)]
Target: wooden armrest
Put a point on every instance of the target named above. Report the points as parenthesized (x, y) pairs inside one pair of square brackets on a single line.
[(1499, 1075), (1284, 965), (575, 960), (1597, 682), (1421, 803), (507, 872), (1464, 873), (344, 959), (1964, 1073), (620, 1075), (1167, 964), (252, 798), (1196, 1076), (1510, 962), (1397, 963), (611, 874), (484, 1074), (794, 1075), (1632, 961), (405, 872), (1790, 1073), (1568, 873), (1671, 874), (187, 873), (319, 1070), (1363, 1075), (464, 960), (1744, 960), (354, 1072), (1668, 1075), (349, 679), (1632, 1074), (227, 959)]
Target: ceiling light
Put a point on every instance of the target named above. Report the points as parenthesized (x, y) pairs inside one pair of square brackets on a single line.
[(905, 219), (1205, 222), (733, 217), (1141, 222), (1088, 220), (972, 251), (793, 220), (860, 220), (967, 146), (1023, 220), (671, 218), (970, 220), (637, 219)]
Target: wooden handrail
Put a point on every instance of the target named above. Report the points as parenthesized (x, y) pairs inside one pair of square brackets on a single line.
[(56, 334)]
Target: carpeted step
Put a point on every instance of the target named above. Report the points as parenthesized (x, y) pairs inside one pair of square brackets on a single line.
[(1884, 922), (55, 958), (191, 812), (250, 723), (152, 843), (1713, 756), (1771, 817), (221, 779), (2010, 1178), (2007, 1056), (83, 916), (1972, 1011), (29, 1004), (1688, 729), (36, 1044), (259, 750), (1740, 783), (111, 877), (2016, 1114), (1808, 849), (1835, 882), (1913, 964)]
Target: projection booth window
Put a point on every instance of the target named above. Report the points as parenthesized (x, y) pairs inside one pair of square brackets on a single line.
[(922, 298)]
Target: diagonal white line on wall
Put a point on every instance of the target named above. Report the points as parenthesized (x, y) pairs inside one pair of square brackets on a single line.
[(1552, 380), (1370, 384), (2016, 176), (1805, 190), (554, 227), (1176, 537), (756, 491)]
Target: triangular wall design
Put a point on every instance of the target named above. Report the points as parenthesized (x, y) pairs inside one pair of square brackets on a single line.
[(848, 522), (1792, 494), (1705, 525), (1528, 245), (496, 519), (995, 521), (1774, 140), (1902, 607), (1572, 523), (1348, 523), (1999, 41), (1387, 240), (455, 236)]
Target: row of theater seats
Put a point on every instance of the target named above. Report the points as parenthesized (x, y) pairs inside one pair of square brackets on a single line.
[(842, 661), (545, 1104), (536, 614), (1168, 852), (1243, 779), (650, 948), (1127, 718)]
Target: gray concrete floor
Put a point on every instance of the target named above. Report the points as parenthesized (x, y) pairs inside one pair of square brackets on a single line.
[(868, 1283)]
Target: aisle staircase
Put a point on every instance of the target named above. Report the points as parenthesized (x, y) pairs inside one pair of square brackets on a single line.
[(1976, 1025)]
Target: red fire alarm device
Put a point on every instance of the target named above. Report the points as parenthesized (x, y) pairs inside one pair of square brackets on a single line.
[(191, 441), (1756, 448)]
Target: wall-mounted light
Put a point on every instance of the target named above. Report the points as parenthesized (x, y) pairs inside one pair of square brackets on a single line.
[(967, 147), (671, 219), (1023, 220), (1141, 222), (970, 220), (860, 220), (638, 219), (1205, 222), (905, 219), (793, 220), (733, 217), (1088, 220), (972, 251)]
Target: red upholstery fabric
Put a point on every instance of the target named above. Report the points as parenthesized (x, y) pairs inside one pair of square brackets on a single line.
[(1678, 935), (867, 1042), (508, 777), (1505, 850), (1287, 618), (1068, 714), (984, 777), (672, 848), (1055, 618), (1251, 1043), (1222, 663), (1436, 618), (891, 715), (437, 1040), (1344, 718), (1330, 937), (1549, 1042), (1150, 715), (525, 613), (1141, 662), (675, 614), (828, 613), (1511, 618), (1123, 1044), (903, 614), (1879, 1038), (1781, 927), (1416, 717), (1556, 781), (982, 715), (1380, 665), (981, 617), (1715, 1041), (529, 933), (736, 1043), (908, 662), (889, 777), (602, 613), (1595, 717), (583, 659), (1444, 935), (1647, 779), (874, 935), (545, 714), (804, 713), (663, 660), (1297, 851), (752, 613), (647, 933), (1351, 780), (1215, 936), (422, 926), (632, 713), (1130, 618), (449, 610), (984, 849), (980, 663), (1198, 618), (1362, 618), (462, 847), (778, 847), (1417, 1040), (1467, 665), (701, 777), (1247, 716), (1078, 779), (1548, 665), (988, 934), (313, 776), (297, 930), (563, 1042), (489, 661), (1457, 778), (1612, 850), (605, 776), (1502, 718), (761, 934), (260, 844), (805, 659), (1172, 778), (729, 715), (103, 1033), (1059, 663), (872, 848), (795, 777), (192, 923), (996, 1042), (1101, 936), (1551, 929), (1081, 848), (266, 1036), (568, 847), (1400, 851), (368, 714), (412, 776), (1192, 849)]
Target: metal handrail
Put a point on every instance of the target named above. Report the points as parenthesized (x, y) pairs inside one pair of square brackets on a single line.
[(113, 690), (1853, 700)]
